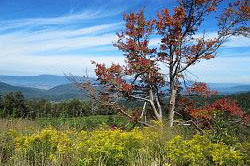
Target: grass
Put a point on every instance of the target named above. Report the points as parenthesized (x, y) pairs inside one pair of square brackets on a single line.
[(80, 123)]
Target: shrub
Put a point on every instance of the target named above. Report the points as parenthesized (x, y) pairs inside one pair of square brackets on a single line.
[(201, 151), (114, 147), (45, 147)]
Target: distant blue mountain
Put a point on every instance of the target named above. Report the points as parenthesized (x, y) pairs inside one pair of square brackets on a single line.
[(227, 88), (60, 92), (28, 92), (218, 86), (40, 82), (235, 89), (55, 85)]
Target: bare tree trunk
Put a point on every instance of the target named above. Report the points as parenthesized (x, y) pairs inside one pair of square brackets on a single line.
[(143, 113), (159, 107), (158, 114), (171, 107), (171, 104)]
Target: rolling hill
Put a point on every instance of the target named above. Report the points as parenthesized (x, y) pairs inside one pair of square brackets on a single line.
[(29, 92), (61, 92), (65, 91), (237, 89), (59, 88), (40, 82)]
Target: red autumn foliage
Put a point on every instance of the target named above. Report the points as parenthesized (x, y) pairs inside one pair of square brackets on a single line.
[(201, 89), (226, 105), (205, 112), (229, 106), (112, 77)]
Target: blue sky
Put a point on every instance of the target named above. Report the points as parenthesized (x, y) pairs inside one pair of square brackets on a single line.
[(62, 36)]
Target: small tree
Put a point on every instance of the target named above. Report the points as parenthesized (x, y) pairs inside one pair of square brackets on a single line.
[(13, 104), (179, 48), (204, 111)]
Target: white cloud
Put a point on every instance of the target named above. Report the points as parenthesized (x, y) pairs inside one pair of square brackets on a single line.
[(56, 64), (52, 33), (62, 44), (23, 42), (238, 42), (61, 20), (154, 42), (25, 49)]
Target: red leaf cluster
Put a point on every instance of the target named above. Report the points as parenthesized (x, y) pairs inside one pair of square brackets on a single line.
[(112, 76), (225, 105), (206, 110), (229, 106), (201, 89)]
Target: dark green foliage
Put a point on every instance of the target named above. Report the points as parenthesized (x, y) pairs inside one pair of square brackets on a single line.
[(14, 105), (243, 100), (224, 129)]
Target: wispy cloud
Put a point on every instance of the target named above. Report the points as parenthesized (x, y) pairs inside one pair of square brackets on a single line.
[(30, 23), (28, 48), (238, 42), (52, 33), (62, 44), (23, 42), (57, 45), (235, 41), (27, 40), (56, 64)]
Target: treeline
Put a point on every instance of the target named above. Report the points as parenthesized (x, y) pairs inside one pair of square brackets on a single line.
[(14, 105)]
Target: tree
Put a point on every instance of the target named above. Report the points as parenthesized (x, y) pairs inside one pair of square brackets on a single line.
[(180, 47), (141, 78), (14, 105)]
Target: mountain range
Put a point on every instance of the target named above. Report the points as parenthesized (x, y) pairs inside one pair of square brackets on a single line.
[(60, 92), (59, 87), (40, 82)]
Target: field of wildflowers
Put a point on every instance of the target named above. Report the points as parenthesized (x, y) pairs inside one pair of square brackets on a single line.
[(115, 147)]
